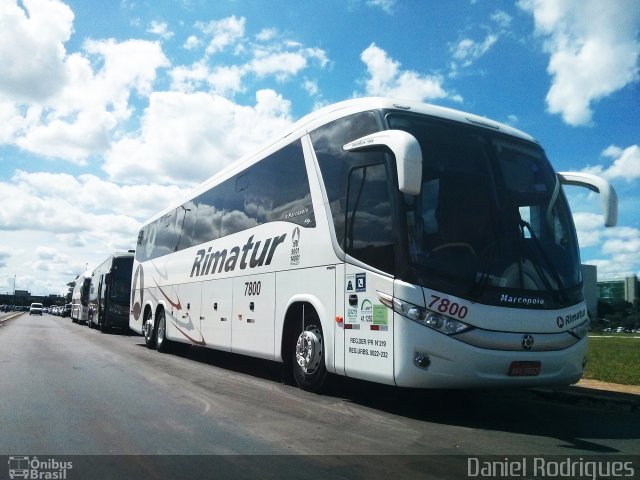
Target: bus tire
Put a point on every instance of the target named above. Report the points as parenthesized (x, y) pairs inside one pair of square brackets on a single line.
[(162, 343), (148, 331), (102, 327), (308, 350)]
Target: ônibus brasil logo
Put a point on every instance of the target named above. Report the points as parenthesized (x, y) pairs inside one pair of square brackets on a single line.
[(34, 468)]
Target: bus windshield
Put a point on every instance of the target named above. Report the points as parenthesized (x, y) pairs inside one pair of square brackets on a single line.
[(120, 288), (491, 214)]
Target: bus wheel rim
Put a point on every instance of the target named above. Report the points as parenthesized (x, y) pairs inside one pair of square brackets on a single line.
[(309, 350)]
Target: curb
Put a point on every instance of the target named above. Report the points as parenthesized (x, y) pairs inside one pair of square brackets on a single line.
[(576, 394), (10, 316)]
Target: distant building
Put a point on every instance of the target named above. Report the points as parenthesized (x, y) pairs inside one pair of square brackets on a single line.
[(590, 286), (619, 289), (24, 298), (21, 297)]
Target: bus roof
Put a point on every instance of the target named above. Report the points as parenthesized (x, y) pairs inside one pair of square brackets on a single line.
[(332, 112)]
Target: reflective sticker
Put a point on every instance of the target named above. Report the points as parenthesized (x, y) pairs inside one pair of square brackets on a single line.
[(352, 315), (366, 311), (351, 283), (380, 315)]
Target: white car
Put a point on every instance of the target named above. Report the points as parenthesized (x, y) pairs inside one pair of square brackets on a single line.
[(35, 309)]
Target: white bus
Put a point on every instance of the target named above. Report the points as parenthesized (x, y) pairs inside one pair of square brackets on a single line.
[(80, 298), (384, 240)]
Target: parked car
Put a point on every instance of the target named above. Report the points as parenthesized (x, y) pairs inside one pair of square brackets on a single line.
[(35, 309), (66, 310)]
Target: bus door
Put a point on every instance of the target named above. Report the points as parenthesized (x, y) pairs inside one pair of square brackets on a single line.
[(100, 303), (368, 326), (369, 240)]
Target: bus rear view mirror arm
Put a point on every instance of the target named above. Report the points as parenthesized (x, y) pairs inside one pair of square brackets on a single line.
[(407, 151), (608, 196)]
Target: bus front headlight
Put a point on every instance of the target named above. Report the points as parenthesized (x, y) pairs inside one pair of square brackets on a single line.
[(580, 331), (437, 321), (444, 323)]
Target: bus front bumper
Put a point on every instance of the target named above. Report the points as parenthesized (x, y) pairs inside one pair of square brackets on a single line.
[(425, 358)]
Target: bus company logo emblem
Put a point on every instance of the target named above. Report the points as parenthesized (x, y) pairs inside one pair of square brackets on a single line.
[(251, 254), (569, 319), (527, 342), (295, 246)]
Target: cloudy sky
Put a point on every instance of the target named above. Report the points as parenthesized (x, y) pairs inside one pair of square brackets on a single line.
[(111, 109)]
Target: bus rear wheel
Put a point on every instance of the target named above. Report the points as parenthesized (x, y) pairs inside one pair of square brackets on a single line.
[(162, 343), (147, 329), (309, 370)]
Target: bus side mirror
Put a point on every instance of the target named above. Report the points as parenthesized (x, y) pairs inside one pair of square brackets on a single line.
[(405, 148), (608, 196)]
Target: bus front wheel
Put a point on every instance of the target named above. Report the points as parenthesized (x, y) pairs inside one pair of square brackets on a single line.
[(309, 370)]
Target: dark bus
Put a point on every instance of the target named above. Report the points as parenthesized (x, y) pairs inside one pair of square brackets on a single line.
[(109, 295)]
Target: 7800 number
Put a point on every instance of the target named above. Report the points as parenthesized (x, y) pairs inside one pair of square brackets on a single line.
[(447, 307), (252, 288)]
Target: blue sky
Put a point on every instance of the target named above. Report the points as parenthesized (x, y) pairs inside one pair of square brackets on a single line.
[(109, 110)]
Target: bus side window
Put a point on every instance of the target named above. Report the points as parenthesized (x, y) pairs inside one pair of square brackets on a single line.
[(209, 207), (260, 194), (335, 163), (369, 234), (165, 240), (186, 224)]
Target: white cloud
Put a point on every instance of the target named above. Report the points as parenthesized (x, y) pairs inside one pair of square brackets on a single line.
[(622, 246), (271, 56), (32, 49), (161, 29), (281, 64), (589, 228), (55, 223), (387, 79), (502, 19), (222, 33), (512, 120), (189, 78), (593, 47), (62, 203), (226, 80), (386, 5), (87, 93), (73, 141), (187, 137), (626, 163), (192, 42), (467, 51), (267, 34), (311, 86)]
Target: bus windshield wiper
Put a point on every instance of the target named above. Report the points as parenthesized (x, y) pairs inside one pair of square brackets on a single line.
[(482, 278)]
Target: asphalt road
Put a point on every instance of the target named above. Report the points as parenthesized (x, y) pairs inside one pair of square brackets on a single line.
[(69, 390)]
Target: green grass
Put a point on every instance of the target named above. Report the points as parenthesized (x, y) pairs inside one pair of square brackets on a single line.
[(614, 359)]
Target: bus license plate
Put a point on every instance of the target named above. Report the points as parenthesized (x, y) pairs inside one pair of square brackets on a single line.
[(524, 369)]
